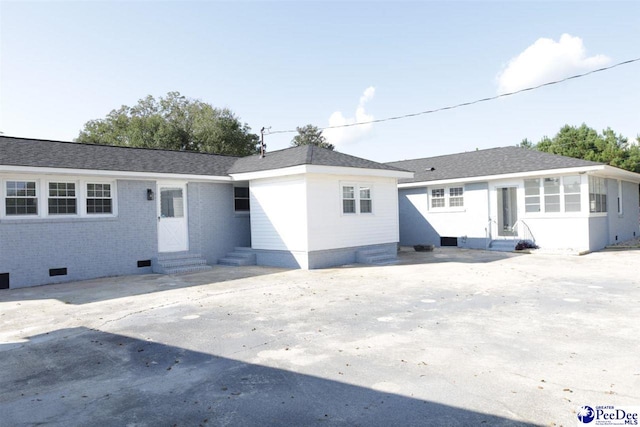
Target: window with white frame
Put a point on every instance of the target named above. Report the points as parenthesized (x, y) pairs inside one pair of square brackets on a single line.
[(356, 199), (571, 189), (597, 194), (532, 195), (551, 187), (21, 198), (48, 197), (452, 197), (62, 198), (365, 200), (456, 197), (437, 198), (552, 194), (99, 199), (241, 199), (348, 199)]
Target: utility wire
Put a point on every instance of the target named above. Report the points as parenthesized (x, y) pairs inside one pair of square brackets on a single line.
[(477, 101)]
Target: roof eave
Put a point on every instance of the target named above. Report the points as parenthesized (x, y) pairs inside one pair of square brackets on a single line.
[(320, 169), (561, 171), (111, 174)]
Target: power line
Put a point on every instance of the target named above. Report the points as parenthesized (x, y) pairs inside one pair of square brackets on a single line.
[(477, 101)]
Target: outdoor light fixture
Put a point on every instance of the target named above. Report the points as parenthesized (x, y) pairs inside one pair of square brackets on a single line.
[(149, 194)]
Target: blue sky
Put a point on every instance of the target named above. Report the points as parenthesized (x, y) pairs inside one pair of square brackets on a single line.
[(287, 64)]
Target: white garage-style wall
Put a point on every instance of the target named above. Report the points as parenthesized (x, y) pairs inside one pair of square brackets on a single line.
[(279, 219)]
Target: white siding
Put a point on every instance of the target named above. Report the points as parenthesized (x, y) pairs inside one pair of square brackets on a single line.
[(562, 232), (469, 221), (329, 228), (279, 214)]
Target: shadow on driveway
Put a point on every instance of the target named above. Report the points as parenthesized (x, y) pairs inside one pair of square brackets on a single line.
[(87, 377), (102, 289), (408, 255)]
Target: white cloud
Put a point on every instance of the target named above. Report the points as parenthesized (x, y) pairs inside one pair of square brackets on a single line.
[(341, 136), (547, 60)]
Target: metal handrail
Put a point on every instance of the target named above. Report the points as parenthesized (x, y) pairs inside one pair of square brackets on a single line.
[(527, 234), (487, 232)]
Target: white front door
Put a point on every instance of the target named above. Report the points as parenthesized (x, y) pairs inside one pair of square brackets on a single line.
[(172, 217)]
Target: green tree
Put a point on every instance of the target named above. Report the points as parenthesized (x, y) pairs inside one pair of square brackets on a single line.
[(174, 122), (525, 143), (586, 143), (310, 135)]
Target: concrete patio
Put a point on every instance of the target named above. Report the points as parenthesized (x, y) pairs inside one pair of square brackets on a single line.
[(449, 337)]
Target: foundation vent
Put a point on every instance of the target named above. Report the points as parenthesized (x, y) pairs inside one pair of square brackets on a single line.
[(57, 272)]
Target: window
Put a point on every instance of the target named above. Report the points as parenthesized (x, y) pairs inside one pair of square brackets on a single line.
[(437, 198), (619, 197), (551, 194), (532, 195), (597, 194), (348, 199), (365, 200), (456, 198), (241, 199), (99, 199), (171, 203), (452, 197), (21, 198), (357, 199), (571, 188), (557, 194), (62, 198)]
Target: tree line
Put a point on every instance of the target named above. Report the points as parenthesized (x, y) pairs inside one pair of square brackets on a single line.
[(583, 142), (175, 122)]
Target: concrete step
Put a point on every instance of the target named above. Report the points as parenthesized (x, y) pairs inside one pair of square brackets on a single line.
[(239, 257), (376, 257), (179, 262), (177, 255), (503, 245), (188, 269)]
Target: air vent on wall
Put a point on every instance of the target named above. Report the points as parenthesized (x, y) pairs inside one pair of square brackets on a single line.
[(4, 280), (58, 271), (144, 263)]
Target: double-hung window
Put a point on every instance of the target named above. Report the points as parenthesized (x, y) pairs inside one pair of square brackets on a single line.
[(241, 199), (62, 198), (99, 199), (571, 188), (551, 195), (456, 197), (348, 199), (437, 198), (54, 197), (451, 197), (365, 200), (532, 195), (21, 198), (356, 199), (597, 194)]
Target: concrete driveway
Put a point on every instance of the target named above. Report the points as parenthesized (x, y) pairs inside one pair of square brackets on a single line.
[(452, 337)]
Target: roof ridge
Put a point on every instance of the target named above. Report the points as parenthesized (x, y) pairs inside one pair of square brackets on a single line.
[(88, 144), (455, 154)]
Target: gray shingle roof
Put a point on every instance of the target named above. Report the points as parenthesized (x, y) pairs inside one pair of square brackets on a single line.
[(305, 155), (495, 161), (71, 155)]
